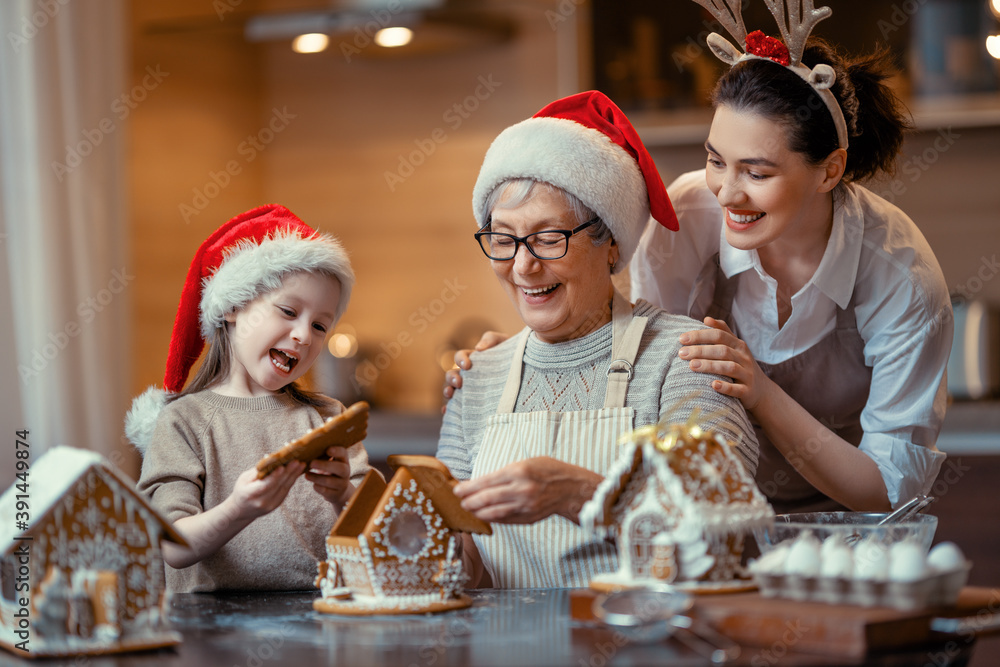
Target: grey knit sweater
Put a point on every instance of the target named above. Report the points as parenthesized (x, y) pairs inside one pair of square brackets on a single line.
[(569, 376), (201, 444)]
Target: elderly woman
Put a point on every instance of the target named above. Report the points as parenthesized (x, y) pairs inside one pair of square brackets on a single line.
[(561, 201)]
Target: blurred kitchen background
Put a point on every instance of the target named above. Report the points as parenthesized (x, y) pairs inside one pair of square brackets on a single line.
[(133, 128)]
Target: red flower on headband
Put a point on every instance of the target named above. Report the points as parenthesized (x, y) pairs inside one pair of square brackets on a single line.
[(759, 44)]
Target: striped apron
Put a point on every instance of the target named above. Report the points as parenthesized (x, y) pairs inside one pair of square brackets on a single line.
[(555, 552)]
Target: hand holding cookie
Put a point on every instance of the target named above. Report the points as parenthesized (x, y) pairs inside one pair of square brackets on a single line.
[(331, 475), (256, 497), (341, 431)]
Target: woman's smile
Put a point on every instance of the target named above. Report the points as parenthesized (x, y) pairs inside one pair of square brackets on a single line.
[(559, 299), (539, 294), (740, 221)]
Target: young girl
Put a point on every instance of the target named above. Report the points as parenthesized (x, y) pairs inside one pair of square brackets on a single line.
[(827, 306), (264, 291)]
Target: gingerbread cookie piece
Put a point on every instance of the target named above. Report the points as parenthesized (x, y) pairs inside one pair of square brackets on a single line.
[(344, 430)]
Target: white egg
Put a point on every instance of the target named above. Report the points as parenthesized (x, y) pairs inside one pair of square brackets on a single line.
[(836, 558), (803, 557), (773, 562), (871, 560), (907, 561), (946, 557)]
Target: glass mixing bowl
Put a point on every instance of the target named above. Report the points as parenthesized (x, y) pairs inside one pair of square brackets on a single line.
[(854, 526)]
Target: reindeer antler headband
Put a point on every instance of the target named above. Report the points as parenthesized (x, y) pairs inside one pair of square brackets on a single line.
[(802, 18)]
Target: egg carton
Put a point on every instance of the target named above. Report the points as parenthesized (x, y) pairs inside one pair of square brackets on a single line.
[(938, 589)]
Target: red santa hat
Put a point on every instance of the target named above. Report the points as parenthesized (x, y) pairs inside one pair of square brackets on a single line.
[(583, 144), (244, 258)]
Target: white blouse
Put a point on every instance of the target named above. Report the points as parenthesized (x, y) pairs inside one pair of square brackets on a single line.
[(902, 308)]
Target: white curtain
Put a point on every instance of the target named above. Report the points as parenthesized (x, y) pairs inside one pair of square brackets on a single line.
[(65, 279)]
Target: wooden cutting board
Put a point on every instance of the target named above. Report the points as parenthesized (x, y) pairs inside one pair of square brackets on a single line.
[(814, 627)]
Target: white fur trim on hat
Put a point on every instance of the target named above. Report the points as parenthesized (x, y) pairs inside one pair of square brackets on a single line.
[(582, 161), (140, 422), (250, 270)]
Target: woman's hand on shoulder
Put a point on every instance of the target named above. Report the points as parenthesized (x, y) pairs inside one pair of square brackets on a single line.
[(528, 491), (463, 359), (717, 350)]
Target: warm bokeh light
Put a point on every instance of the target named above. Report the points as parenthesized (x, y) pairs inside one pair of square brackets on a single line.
[(392, 37), (995, 6), (447, 360), (993, 46), (312, 42), (343, 345)]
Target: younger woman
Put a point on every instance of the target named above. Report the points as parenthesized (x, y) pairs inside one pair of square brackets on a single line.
[(264, 290), (827, 306)]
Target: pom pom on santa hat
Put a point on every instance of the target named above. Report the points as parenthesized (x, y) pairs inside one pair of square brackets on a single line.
[(583, 144), (244, 258)]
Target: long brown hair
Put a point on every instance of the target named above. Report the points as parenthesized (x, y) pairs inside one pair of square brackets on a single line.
[(876, 118)]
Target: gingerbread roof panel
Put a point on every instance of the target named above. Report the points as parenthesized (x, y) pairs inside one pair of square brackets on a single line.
[(436, 481), (355, 516)]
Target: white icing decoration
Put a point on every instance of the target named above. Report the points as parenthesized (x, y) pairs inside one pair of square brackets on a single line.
[(667, 531), (399, 575)]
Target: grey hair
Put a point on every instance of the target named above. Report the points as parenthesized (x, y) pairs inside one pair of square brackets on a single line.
[(517, 191)]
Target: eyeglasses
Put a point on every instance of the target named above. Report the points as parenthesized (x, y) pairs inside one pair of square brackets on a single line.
[(549, 244)]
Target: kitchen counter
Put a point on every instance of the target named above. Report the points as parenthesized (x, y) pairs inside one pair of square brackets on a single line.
[(502, 628)]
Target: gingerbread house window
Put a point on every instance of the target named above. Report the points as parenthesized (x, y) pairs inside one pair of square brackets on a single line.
[(407, 533), (642, 532)]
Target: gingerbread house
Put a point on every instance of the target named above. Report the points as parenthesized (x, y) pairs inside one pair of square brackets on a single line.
[(680, 504), (80, 562), (397, 547)]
